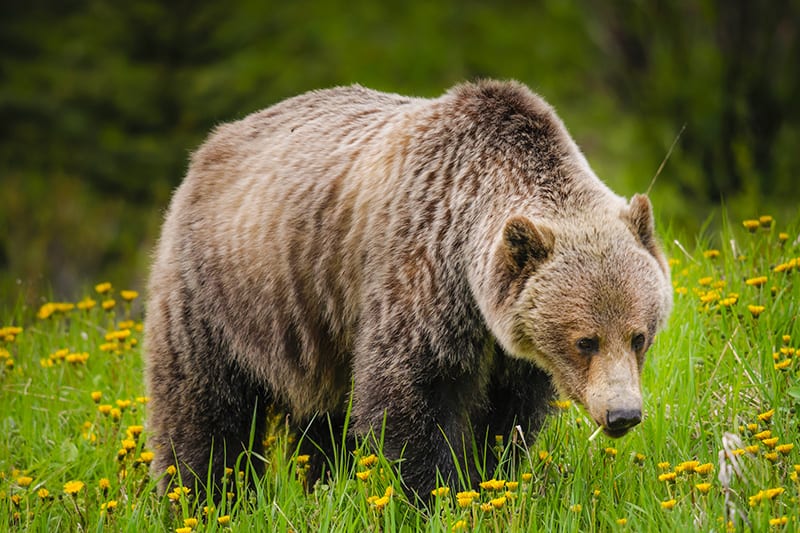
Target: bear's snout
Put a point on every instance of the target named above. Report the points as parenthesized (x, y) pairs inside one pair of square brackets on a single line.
[(619, 421)]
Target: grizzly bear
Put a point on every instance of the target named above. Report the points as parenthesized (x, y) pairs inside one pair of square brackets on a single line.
[(441, 267)]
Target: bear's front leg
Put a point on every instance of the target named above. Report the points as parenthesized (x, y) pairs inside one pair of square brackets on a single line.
[(519, 393), (424, 411)]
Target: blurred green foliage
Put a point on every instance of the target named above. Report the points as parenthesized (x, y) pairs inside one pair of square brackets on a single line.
[(101, 102)]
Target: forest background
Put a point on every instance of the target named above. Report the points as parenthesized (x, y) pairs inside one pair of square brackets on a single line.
[(101, 103)]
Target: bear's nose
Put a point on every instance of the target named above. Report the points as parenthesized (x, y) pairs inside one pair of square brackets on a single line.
[(622, 419)]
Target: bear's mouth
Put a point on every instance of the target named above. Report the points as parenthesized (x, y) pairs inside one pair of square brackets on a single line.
[(615, 433)]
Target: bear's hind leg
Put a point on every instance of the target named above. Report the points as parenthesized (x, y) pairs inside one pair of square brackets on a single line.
[(204, 410)]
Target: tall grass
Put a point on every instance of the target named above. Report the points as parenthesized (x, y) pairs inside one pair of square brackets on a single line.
[(716, 450)]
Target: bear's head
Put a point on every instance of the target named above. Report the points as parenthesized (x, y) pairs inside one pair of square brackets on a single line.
[(583, 299)]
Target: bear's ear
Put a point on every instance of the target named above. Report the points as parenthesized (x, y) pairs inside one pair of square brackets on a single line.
[(640, 218), (525, 244)]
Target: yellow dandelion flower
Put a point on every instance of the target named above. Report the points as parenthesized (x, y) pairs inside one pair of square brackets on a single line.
[(104, 484), (703, 487), (128, 295), (752, 449), (498, 503), (109, 506), (73, 487), (756, 282), (190, 522), (687, 466), (669, 504), (440, 491), (681, 290), (123, 404), (767, 494), (493, 484), (460, 525), (544, 455), (43, 493), (771, 456), (381, 502), (668, 476), (102, 288), (464, 502), (765, 221), (728, 302), (704, 468), (719, 284), (783, 365), (24, 481), (171, 470), (302, 459), (369, 460), (756, 310), (787, 350), (96, 396), (224, 520), (664, 465), (77, 358), (611, 452), (363, 476), (512, 485), (784, 448), (389, 491), (751, 225), (576, 508), (526, 477), (118, 335), (622, 521), (104, 409), (711, 254), (46, 311), (142, 399), (705, 281), (763, 434), (86, 304), (146, 457), (770, 443), (184, 529), (562, 404), (786, 339), (766, 415), (783, 236), (108, 304), (709, 297), (781, 521), (486, 507), (772, 493)]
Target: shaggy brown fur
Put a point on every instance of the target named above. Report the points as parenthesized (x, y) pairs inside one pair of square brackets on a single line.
[(450, 262)]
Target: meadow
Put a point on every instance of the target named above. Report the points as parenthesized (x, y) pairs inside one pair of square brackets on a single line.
[(716, 450)]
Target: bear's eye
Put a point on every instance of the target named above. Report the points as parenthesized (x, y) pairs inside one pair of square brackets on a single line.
[(637, 342), (588, 345)]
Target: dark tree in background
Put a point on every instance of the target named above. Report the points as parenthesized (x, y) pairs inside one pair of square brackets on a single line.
[(101, 102)]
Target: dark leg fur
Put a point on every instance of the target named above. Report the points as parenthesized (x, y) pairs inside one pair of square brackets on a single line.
[(322, 440), (519, 394), (201, 403)]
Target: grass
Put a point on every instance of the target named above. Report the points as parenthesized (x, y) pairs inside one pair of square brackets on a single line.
[(715, 451)]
